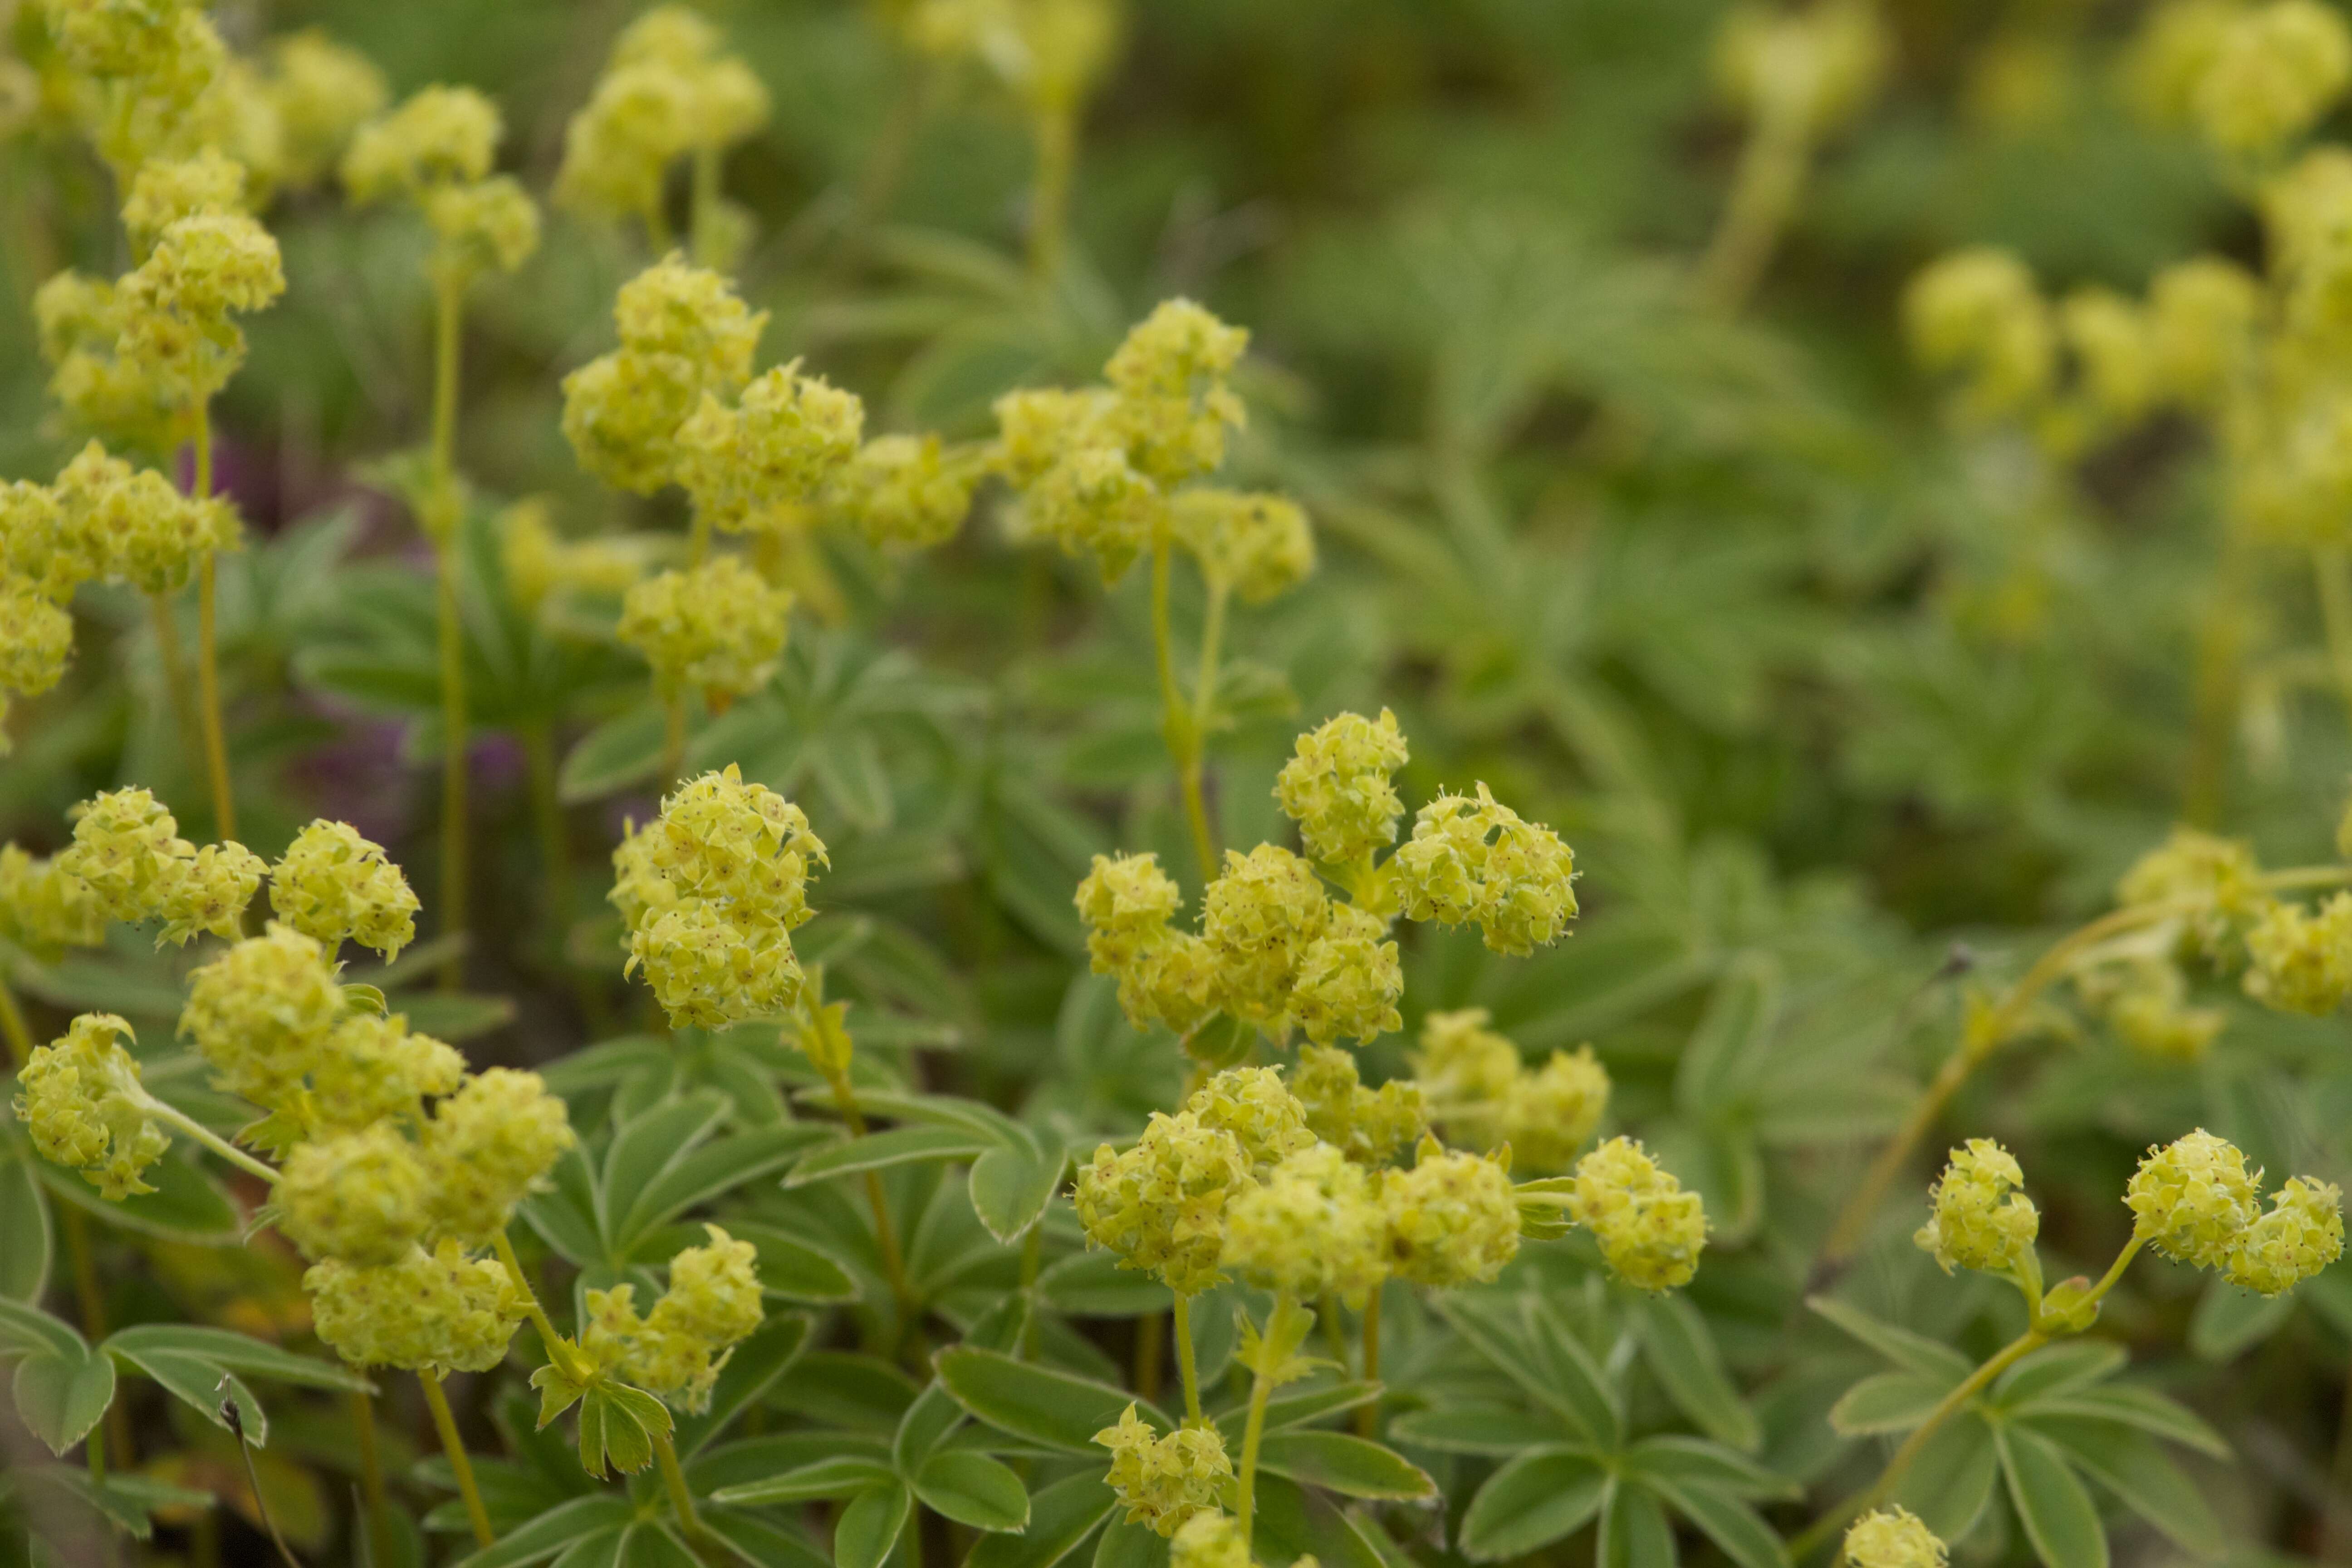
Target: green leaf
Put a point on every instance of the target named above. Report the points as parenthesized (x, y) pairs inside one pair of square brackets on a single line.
[(753, 1368), (1725, 1053), (1696, 1462), (2057, 1513), (1061, 1518), (650, 1544), (790, 1267), (973, 1489), (617, 1427), (239, 1353), (881, 1150), (869, 1527), (1634, 1532), (187, 1205), (2130, 1466), (1287, 1410), (647, 1148), (1952, 1479), (709, 1173), (1488, 1429), (2131, 1405), (24, 1221), (201, 1384), (844, 1476), (1558, 1374), (26, 1329), (1093, 1284), (1530, 1502), (2229, 1322), (1056, 1408), (1912, 1352), (1887, 1402), (2056, 1369), (1730, 1524), (1351, 1466), (616, 753), (1124, 1544), (1011, 1187), (61, 1396), (1680, 1353), (761, 1544), (932, 1416)]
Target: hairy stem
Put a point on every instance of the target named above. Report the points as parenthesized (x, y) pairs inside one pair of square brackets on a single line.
[(559, 1349), (885, 1237), (1178, 723), (173, 1117), (681, 1500), (673, 752), (175, 672), (453, 1444), (1278, 1323), (555, 866), (448, 310), (208, 645), (702, 217), (13, 1027), (1187, 1368)]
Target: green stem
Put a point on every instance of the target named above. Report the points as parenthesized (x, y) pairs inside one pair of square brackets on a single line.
[(443, 524), (93, 1450), (454, 1446), (1150, 1329), (1180, 1320), (1056, 127), (885, 1236), (171, 1116), (1368, 1416), (703, 216), (1177, 723), (175, 672), (1278, 1323), (1892, 1475), (673, 752), (2333, 567), (18, 1033), (657, 236), (559, 1349), (1771, 175), (207, 646), (379, 1516), (681, 1500)]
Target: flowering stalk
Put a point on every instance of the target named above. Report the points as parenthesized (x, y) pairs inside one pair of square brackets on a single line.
[(559, 1350), (704, 214), (175, 673), (448, 308), (379, 1517), (1368, 1414), (1186, 1367), (1764, 193), (1049, 216), (207, 656), (835, 1057), (1180, 724), (681, 1499), (454, 1446), (1280, 1331)]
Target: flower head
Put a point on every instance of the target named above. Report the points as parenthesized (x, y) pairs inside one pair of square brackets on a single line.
[(1160, 1204), (482, 226), (2278, 69), (359, 1197), (1469, 1074), (2302, 959), (1313, 1226), (263, 1015), (1252, 544), (2149, 1010), (127, 850), (169, 189), (487, 1147), (438, 1311), (1064, 453), (1650, 1230), (1337, 787), (133, 527), (1370, 1127), (752, 466), (2193, 1199), (44, 909), (209, 892), (36, 639), (1259, 920), (1164, 974), (40, 547), (2303, 1233), (2198, 868), (1814, 68), (333, 885), (1209, 1540), (684, 331), (1163, 1482), (1252, 1104), (1349, 980), (441, 135), (323, 92), (81, 1099), (1978, 314), (1477, 862), (374, 1070), (1891, 1538), (175, 306), (1978, 1221), (678, 1349), (1174, 404), (1453, 1219), (719, 627), (2200, 319), (904, 493)]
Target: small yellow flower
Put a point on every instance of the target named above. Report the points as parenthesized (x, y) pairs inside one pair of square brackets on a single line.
[(678, 1349), (332, 885), (2302, 959), (127, 850), (1978, 315), (487, 1148), (1337, 786), (1370, 1127), (719, 627), (2278, 69), (441, 135), (209, 892), (263, 1015), (1650, 1230), (133, 526), (906, 493), (1165, 1482), (1163, 973), (81, 1099), (1978, 1221), (1314, 1225), (1349, 980), (1160, 1204), (1174, 404), (1453, 1219), (2201, 315), (751, 467), (430, 1312), (359, 1197), (1252, 1104), (1209, 1540), (1891, 1538), (175, 306), (44, 909), (170, 189), (1477, 862), (40, 545), (2301, 1233), (1259, 920), (374, 1070), (2193, 1199), (1256, 545), (36, 639)]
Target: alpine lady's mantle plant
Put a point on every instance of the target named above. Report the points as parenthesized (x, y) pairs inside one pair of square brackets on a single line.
[(1003, 1084)]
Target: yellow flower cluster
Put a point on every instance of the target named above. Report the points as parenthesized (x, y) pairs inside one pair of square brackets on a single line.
[(128, 857), (2269, 74), (488, 1146), (752, 467), (323, 93), (1209, 1540), (1164, 974), (1978, 1221), (434, 151), (81, 1099), (536, 562), (905, 493), (2147, 1007), (1477, 862), (1453, 1219), (678, 1349), (719, 627), (2301, 959), (358, 1197), (1978, 315), (1314, 1224), (1160, 1204), (710, 892), (1372, 1127), (169, 189), (2194, 1201), (436, 1312), (152, 80), (683, 333), (1650, 1230), (44, 909), (2216, 880), (332, 885), (1810, 71), (667, 90), (1096, 469), (1165, 1482), (1263, 1116), (1891, 1538), (1337, 787), (130, 525), (1483, 1093)]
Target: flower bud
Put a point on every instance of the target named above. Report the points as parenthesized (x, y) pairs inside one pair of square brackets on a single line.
[(2301, 959), (2193, 1199), (81, 1099), (1476, 862), (1165, 1482), (1209, 1540), (487, 1148), (1977, 1221), (719, 627), (1651, 1231), (1371, 1128), (441, 135), (1254, 546)]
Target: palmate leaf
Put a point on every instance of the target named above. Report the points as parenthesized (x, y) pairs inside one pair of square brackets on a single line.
[(2052, 1503), (1061, 1518), (2132, 1468), (1912, 1352), (1952, 1479), (24, 1221), (1351, 1466), (1887, 1402), (1531, 1501), (1681, 1353)]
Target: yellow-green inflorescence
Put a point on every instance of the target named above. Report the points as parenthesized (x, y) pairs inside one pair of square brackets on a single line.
[(1891, 1538), (711, 892), (678, 1349), (1209, 1540), (1453, 1219), (1165, 1479), (684, 333), (1483, 1093), (1314, 1224), (434, 151), (1650, 1230), (81, 1099), (717, 628), (2195, 1202), (1370, 1126), (1978, 1220)]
